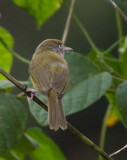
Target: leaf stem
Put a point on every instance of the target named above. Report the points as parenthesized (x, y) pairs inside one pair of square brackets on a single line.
[(119, 25), (70, 127), (118, 78), (120, 30), (84, 31), (114, 45), (103, 130), (68, 21), (16, 55)]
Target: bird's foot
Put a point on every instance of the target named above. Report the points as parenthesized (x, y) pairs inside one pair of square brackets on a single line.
[(32, 91)]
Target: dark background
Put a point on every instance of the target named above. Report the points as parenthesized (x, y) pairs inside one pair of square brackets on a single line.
[(99, 19)]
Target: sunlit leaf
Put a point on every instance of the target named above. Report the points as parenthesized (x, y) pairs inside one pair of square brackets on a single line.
[(5, 55), (41, 10), (25, 146), (10, 156), (47, 149)]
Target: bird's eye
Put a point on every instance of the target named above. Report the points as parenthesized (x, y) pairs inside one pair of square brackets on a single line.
[(60, 46)]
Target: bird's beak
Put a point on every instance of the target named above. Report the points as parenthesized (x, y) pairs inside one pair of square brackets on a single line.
[(67, 48)]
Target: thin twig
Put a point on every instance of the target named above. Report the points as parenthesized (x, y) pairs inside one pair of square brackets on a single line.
[(70, 127), (120, 11), (67, 25), (121, 149)]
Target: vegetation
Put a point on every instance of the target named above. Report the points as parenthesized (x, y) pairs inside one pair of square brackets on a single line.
[(92, 76)]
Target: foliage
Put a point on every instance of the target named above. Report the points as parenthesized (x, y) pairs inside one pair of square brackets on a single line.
[(92, 76), (41, 10), (6, 57), (12, 124)]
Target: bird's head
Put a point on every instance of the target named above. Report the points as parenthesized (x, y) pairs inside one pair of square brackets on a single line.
[(54, 45)]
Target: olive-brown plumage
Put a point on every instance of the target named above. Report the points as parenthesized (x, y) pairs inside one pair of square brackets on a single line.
[(50, 76)]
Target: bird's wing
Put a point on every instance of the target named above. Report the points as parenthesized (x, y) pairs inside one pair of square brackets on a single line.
[(40, 74), (60, 80), (53, 73), (60, 76)]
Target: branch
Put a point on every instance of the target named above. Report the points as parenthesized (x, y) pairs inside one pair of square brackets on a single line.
[(67, 25), (70, 127), (120, 11), (16, 55), (88, 142), (121, 149)]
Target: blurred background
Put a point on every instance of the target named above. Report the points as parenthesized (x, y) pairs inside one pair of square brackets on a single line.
[(99, 19)]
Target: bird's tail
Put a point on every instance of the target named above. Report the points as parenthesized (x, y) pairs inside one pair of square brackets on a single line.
[(55, 112)]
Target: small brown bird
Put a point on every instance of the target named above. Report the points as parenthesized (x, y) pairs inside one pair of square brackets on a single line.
[(50, 76)]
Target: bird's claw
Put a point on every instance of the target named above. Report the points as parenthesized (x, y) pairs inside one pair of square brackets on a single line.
[(32, 91)]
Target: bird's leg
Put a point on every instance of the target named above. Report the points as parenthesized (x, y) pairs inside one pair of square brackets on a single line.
[(32, 91)]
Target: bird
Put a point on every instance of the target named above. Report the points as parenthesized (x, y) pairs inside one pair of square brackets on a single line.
[(50, 75)]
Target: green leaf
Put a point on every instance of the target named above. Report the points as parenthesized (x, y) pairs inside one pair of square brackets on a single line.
[(107, 63), (39, 114), (5, 55), (85, 81), (112, 62), (80, 67), (86, 93), (41, 10), (10, 156), (12, 122), (47, 149), (121, 98), (7, 85), (25, 146)]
